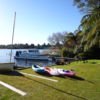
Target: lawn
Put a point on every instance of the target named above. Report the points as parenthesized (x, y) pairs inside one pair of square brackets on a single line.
[(84, 87)]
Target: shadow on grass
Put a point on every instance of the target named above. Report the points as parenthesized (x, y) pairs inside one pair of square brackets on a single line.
[(93, 63), (11, 73), (16, 73), (48, 75), (44, 74), (59, 90), (77, 78), (81, 79)]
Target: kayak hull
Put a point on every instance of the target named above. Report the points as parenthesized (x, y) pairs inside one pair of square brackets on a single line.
[(53, 71)]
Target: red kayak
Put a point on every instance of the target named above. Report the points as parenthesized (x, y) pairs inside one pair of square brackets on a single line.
[(56, 71), (53, 71)]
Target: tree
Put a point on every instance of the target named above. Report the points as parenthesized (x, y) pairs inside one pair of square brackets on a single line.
[(89, 27), (90, 23), (66, 53), (86, 5), (57, 39), (32, 46), (71, 40)]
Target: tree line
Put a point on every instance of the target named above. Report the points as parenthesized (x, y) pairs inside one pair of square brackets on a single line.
[(84, 42), (25, 46)]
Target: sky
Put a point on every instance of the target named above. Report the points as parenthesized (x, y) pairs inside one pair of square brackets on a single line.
[(36, 20)]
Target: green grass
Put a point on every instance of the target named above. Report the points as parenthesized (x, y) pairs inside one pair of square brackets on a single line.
[(87, 87)]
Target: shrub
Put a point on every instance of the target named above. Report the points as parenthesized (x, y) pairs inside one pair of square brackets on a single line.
[(66, 53)]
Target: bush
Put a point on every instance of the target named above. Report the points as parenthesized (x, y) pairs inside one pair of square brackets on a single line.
[(66, 53), (92, 53)]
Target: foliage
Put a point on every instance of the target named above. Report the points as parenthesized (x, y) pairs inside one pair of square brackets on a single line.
[(86, 5), (93, 53), (66, 53), (25, 46), (90, 25), (71, 41), (90, 28)]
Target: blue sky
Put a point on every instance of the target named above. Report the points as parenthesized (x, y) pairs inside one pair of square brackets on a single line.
[(36, 20)]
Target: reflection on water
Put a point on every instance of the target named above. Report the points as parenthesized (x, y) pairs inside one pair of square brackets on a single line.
[(29, 63)]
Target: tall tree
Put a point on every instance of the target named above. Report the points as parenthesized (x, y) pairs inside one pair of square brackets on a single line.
[(90, 23), (91, 28)]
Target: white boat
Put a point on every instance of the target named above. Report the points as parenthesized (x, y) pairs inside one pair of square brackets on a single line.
[(32, 54)]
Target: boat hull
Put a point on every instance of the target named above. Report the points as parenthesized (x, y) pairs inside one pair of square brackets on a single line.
[(31, 59)]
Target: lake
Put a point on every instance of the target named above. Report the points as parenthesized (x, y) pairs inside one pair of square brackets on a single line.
[(5, 54)]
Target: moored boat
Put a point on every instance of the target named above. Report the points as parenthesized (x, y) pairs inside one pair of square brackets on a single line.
[(33, 54)]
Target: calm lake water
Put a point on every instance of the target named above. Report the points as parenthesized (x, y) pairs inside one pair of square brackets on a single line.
[(5, 54)]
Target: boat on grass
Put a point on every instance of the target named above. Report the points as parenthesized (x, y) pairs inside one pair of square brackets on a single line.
[(53, 71)]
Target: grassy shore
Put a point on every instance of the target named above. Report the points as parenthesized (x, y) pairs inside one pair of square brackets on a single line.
[(84, 87)]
